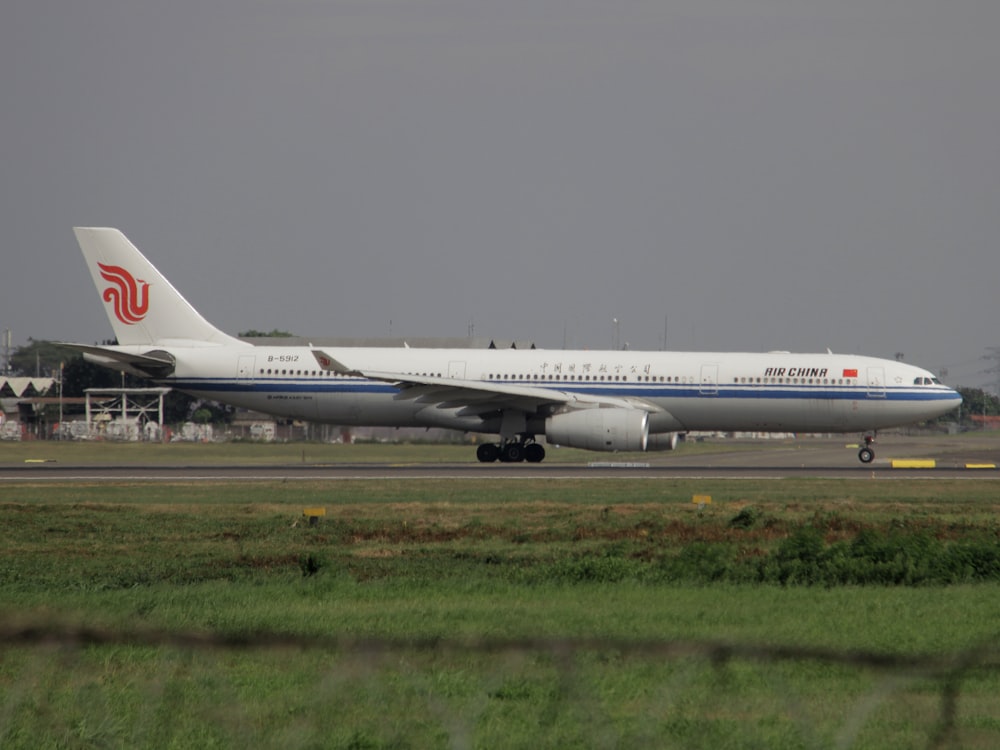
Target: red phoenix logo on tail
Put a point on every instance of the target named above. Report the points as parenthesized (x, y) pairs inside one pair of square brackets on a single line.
[(131, 302)]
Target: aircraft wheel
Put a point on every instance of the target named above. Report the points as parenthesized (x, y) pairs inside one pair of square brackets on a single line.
[(512, 453), (487, 453), (867, 455), (534, 453)]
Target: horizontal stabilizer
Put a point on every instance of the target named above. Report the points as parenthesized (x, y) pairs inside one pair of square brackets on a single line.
[(152, 364)]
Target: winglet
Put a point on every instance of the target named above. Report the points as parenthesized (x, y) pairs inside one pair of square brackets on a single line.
[(326, 362)]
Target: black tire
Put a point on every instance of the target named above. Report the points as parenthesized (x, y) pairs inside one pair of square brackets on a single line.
[(512, 453), (487, 453), (867, 455), (534, 453)]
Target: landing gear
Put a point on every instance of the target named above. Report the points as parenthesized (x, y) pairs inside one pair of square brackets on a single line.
[(511, 452), (487, 453), (866, 454), (534, 453)]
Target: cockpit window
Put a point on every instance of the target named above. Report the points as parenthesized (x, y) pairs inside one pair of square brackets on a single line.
[(926, 381)]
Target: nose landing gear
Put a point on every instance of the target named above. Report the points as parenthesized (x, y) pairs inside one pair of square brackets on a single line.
[(866, 454)]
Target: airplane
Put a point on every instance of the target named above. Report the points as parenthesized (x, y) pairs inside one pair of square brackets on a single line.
[(595, 400)]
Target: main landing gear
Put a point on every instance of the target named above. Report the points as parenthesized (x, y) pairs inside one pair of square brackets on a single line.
[(511, 452), (866, 454)]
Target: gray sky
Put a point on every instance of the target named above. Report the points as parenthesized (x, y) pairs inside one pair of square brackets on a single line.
[(764, 174)]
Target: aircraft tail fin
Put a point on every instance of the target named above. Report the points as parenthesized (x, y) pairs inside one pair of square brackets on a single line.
[(143, 307)]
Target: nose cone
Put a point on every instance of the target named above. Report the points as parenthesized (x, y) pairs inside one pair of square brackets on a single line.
[(934, 397), (945, 399), (954, 398)]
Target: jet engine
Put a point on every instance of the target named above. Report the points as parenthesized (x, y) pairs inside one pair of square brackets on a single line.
[(662, 441), (599, 429)]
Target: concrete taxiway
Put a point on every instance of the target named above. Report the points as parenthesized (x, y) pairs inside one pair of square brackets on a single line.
[(896, 457)]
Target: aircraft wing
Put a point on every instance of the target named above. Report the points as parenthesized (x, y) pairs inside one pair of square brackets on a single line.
[(481, 396)]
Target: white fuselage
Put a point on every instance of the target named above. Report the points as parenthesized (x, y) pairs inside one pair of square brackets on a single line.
[(596, 400), (773, 391)]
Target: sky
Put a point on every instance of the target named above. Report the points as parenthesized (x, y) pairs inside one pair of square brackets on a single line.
[(742, 175)]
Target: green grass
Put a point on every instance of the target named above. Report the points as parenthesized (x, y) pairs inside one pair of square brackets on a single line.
[(253, 453), (250, 453), (599, 569)]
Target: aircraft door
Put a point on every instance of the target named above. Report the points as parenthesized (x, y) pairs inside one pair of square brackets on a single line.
[(876, 382), (456, 370), (709, 385), (244, 367)]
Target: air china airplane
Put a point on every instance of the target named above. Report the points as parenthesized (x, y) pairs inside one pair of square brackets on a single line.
[(596, 400)]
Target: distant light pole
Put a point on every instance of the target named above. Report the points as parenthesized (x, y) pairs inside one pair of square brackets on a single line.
[(60, 428), (614, 337), (6, 351)]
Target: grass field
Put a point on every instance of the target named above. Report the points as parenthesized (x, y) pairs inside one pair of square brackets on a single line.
[(245, 453), (529, 613), (256, 453), (969, 446)]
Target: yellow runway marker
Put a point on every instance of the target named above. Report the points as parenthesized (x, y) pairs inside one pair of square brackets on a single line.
[(913, 463)]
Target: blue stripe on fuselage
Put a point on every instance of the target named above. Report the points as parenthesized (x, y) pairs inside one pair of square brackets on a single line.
[(635, 390)]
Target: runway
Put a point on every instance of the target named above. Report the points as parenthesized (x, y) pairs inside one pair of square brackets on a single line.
[(71, 474), (819, 458)]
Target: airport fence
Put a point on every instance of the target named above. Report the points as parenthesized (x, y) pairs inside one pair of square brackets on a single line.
[(157, 688)]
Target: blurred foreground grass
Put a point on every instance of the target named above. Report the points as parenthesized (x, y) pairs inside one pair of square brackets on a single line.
[(409, 585)]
